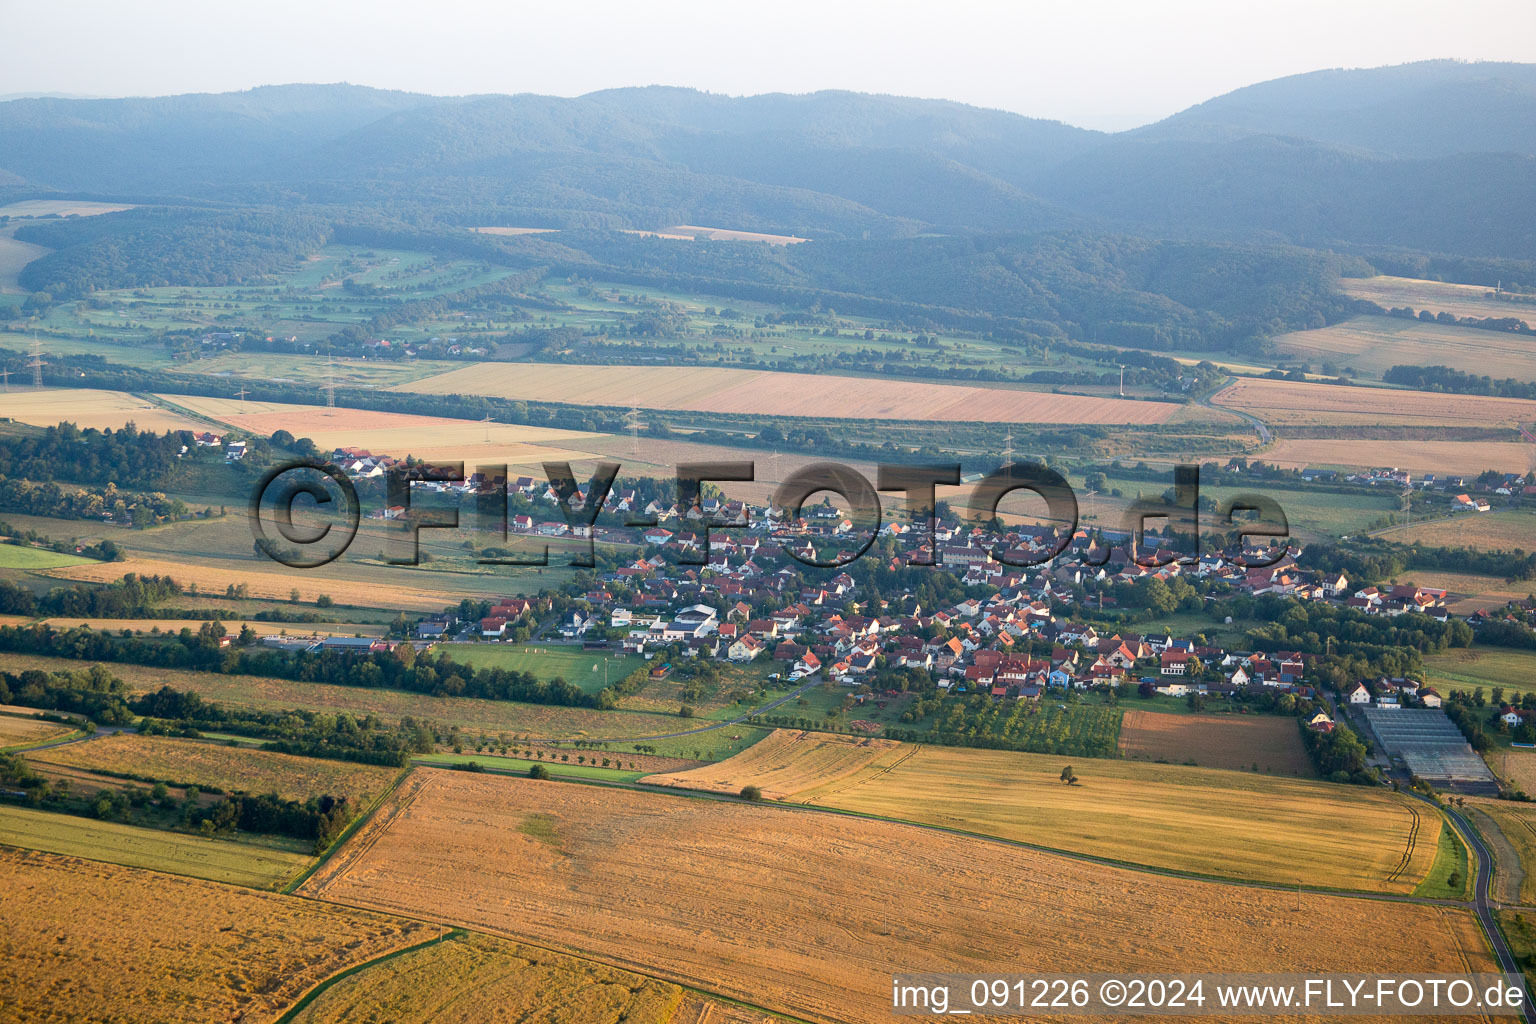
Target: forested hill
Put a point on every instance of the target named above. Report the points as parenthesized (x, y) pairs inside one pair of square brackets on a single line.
[(1433, 156)]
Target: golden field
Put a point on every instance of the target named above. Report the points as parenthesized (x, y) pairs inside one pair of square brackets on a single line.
[(1435, 296), (251, 864), (811, 914), (1210, 822), (216, 766), (1514, 857), (784, 763), (479, 979), (715, 389), (398, 434), (1375, 344), (695, 233), (274, 584), (1416, 456), (17, 731), (1489, 531), (116, 945), (85, 407), (1284, 402), (1238, 742)]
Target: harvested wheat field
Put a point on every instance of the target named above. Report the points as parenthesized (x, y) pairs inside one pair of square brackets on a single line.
[(1372, 345), (1488, 531), (114, 945), (1238, 742), (398, 434), (479, 979), (215, 766), (783, 764), (1284, 402), (1435, 296), (1510, 829), (1206, 821), (84, 407), (270, 585), (17, 731), (1456, 457), (715, 389), (811, 914)]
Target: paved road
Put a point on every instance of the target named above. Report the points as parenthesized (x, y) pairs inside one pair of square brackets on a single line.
[(1481, 905), (101, 730), (1253, 421)]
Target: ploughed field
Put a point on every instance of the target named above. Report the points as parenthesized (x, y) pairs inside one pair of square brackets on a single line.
[(1205, 821), (811, 914), (1266, 743)]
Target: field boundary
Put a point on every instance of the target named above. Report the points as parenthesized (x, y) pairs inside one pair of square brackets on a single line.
[(325, 855), (314, 993)]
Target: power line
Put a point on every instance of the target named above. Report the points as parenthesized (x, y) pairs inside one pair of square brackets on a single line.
[(37, 362)]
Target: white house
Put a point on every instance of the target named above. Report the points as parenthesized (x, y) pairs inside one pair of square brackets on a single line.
[(1360, 695)]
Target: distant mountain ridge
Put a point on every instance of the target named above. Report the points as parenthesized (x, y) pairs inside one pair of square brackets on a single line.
[(1436, 155)]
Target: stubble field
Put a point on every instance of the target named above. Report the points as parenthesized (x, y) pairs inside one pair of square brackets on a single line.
[(1489, 531), (85, 407), (1205, 821), (17, 731), (1375, 344), (86, 941), (785, 763), (215, 766), (1416, 456), (1436, 296), (1282, 403), (480, 979), (812, 914), (1238, 742), (712, 389)]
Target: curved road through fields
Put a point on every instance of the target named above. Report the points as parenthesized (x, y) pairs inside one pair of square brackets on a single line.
[(1253, 421)]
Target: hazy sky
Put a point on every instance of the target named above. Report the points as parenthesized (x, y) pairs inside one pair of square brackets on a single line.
[(1089, 62)]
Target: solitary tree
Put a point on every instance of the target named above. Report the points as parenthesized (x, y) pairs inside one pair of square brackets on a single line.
[(751, 792), (1068, 776)]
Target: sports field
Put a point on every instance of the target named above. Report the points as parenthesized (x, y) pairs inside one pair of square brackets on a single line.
[(714, 389), (590, 670), (1222, 823), (1266, 743), (96, 942), (811, 914), (216, 766), (256, 865)]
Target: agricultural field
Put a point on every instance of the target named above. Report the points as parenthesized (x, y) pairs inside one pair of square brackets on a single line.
[(1220, 823), (734, 897), (1435, 296), (1294, 403), (399, 434), (104, 410), (60, 208), (1466, 458), (256, 865), (714, 389), (88, 941), (1465, 668), (277, 583), (590, 670), (1266, 743), (234, 626), (22, 556), (473, 718), (1516, 766), (478, 979), (786, 763), (215, 766), (695, 233), (1372, 345), (1505, 530), (16, 732)]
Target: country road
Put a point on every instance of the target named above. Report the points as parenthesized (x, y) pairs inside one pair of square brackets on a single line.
[(1253, 421)]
